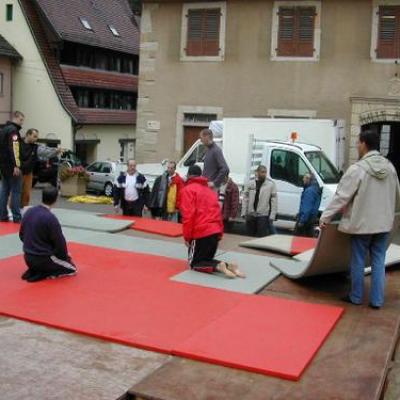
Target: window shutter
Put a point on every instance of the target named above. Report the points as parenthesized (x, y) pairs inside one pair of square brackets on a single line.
[(305, 31), (296, 31), (211, 37), (203, 32), (286, 33), (389, 32)]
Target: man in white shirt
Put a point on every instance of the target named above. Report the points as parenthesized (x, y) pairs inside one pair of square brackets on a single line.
[(131, 191)]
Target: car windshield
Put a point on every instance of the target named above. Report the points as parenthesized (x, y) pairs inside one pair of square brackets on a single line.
[(325, 169)]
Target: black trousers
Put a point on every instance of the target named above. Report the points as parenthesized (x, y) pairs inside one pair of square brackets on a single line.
[(133, 208), (42, 267), (306, 229), (202, 252), (258, 226)]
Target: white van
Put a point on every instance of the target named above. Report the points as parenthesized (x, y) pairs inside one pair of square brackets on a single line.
[(249, 142)]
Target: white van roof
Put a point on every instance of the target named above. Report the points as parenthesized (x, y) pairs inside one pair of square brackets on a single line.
[(217, 128)]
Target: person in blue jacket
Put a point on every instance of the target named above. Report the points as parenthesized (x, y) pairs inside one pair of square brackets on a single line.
[(309, 206)]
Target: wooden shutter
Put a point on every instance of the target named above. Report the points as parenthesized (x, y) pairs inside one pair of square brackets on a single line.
[(296, 31), (203, 32), (286, 33), (389, 32)]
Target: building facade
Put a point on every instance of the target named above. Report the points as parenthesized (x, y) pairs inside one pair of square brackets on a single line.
[(8, 58), (76, 80), (335, 59)]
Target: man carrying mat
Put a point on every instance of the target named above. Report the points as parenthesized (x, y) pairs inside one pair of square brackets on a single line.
[(367, 196), (202, 225), (45, 248)]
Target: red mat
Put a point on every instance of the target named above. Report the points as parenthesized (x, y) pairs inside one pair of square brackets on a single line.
[(128, 298), (8, 228), (302, 244), (268, 335), (165, 228)]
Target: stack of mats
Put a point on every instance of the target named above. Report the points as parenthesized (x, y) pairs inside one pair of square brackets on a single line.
[(129, 298), (284, 244)]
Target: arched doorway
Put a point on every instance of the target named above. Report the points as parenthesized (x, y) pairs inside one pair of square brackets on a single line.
[(389, 132)]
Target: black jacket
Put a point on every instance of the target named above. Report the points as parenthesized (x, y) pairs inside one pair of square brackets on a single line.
[(10, 149), (29, 157)]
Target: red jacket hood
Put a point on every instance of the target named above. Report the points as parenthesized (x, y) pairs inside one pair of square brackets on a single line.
[(198, 179)]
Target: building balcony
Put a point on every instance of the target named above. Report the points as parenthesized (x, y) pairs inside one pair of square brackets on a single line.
[(94, 116), (99, 79)]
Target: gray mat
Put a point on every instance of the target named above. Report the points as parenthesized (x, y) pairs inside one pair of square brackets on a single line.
[(130, 243), (332, 254), (89, 221), (10, 246), (258, 274), (275, 243)]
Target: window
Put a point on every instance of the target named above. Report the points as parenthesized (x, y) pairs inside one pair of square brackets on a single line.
[(85, 24), (113, 30), (288, 166), (106, 99), (95, 167), (91, 57), (1, 84), (106, 168), (203, 31), (324, 168), (296, 30), (9, 12), (388, 42)]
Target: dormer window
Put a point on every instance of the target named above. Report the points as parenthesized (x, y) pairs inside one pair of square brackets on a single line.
[(86, 24), (113, 30)]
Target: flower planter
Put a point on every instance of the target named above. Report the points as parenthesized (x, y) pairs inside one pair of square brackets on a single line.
[(73, 186)]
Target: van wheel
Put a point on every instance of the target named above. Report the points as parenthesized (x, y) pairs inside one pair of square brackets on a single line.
[(108, 189)]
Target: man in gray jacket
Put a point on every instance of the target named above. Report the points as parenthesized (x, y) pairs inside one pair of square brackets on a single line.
[(260, 204), (367, 196), (215, 167)]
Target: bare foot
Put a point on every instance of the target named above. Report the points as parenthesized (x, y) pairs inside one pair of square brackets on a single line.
[(235, 269), (223, 268)]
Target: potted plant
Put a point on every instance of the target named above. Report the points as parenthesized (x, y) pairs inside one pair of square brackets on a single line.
[(73, 181)]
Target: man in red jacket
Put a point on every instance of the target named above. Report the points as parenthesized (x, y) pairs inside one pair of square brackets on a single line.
[(202, 225)]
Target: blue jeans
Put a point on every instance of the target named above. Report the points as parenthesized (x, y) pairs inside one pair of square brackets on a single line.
[(11, 185), (375, 245)]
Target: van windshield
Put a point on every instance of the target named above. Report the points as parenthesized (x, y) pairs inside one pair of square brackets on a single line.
[(325, 169)]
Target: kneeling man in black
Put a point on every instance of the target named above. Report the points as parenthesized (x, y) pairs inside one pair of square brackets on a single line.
[(45, 248)]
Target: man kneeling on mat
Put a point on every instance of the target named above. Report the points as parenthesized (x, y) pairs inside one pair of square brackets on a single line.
[(202, 225), (45, 248)]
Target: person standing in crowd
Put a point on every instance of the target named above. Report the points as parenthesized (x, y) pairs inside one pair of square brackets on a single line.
[(215, 166), (164, 199), (367, 196), (45, 248), (30, 154), (202, 225), (309, 206), (229, 198), (260, 204), (10, 167), (131, 191)]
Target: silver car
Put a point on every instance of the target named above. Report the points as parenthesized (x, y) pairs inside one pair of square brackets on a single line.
[(102, 175)]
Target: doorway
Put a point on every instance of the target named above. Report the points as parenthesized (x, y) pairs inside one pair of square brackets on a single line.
[(190, 135), (86, 151), (389, 132)]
